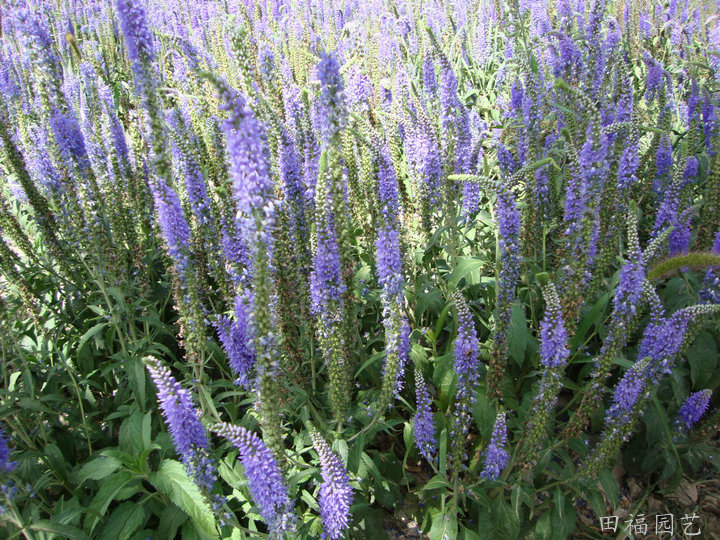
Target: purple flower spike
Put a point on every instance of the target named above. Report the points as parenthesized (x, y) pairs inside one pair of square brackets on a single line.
[(496, 457), (710, 293), (627, 393), (467, 347), (630, 289), (265, 480), (693, 409), (173, 225), (5, 464), (332, 97), (553, 348), (508, 219), (423, 425), (70, 140), (133, 22), (237, 341), (183, 421), (326, 283), (335, 491), (389, 265)]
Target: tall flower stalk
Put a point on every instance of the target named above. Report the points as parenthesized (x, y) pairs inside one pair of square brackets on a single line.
[(467, 367), (631, 295), (390, 276), (331, 277), (508, 220), (663, 340), (496, 454), (253, 194), (141, 52), (554, 355)]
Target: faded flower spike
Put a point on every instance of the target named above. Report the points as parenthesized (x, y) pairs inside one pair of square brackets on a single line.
[(335, 491)]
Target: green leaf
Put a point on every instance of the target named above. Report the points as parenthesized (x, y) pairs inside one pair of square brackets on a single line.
[(441, 319), (147, 431), (703, 358), (230, 471), (484, 413), (63, 531), (521, 495), (543, 527), (107, 494), (467, 534), (190, 531), (563, 519), (589, 318), (444, 527), (442, 451), (596, 501), (504, 519), (128, 460), (374, 358), (56, 460), (98, 469), (131, 434), (467, 267), (418, 354), (172, 479), (436, 482), (430, 299), (94, 331), (124, 521), (519, 336), (610, 487), (135, 370)]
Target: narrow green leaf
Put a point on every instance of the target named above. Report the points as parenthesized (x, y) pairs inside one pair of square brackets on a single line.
[(609, 485), (63, 531), (703, 359), (436, 482), (519, 336)]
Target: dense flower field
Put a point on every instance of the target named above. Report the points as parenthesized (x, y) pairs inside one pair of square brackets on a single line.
[(282, 268)]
